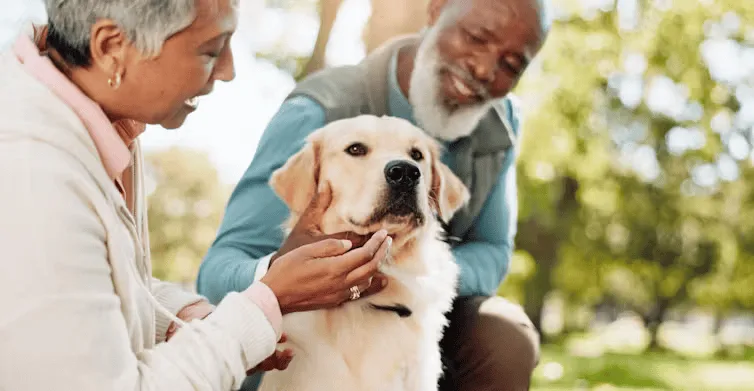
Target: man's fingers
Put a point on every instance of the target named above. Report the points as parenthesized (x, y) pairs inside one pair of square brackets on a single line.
[(312, 216)]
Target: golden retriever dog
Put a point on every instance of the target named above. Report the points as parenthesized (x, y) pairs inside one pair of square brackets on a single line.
[(383, 173)]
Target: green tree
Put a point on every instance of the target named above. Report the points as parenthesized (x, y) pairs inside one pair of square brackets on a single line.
[(628, 174), (185, 210)]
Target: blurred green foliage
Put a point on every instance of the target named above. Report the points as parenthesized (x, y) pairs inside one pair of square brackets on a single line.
[(185, 210), (612, 209)]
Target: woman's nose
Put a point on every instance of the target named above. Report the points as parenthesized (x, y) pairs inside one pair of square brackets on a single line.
[(225, 69)]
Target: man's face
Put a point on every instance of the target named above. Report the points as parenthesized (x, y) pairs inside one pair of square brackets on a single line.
[(486, 45), (473, 53)]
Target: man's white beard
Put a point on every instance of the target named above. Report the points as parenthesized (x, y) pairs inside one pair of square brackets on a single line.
[(425, 96)]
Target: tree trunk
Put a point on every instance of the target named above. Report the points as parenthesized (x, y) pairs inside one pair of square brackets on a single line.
[(653, 320), (391, 18), (328, 12), (536, 291), (542, 245)]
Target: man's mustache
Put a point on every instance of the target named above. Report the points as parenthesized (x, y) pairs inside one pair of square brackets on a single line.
[(478, 88)]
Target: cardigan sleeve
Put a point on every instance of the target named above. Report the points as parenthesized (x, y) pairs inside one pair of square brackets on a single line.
[(174, 299), (63, 323)]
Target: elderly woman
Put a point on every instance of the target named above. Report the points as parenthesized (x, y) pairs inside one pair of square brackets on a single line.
[(80, 310)]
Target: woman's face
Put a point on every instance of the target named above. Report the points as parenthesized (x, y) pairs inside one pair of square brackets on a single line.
[(161, 90)]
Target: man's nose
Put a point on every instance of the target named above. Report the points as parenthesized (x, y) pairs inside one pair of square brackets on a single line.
[(483, 67)]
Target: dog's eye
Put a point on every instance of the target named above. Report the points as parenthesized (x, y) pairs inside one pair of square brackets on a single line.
[(416, 154), (357, 149)]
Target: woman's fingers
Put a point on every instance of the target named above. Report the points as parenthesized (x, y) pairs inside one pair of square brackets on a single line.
[(278, 360), (361, 256), (379, 282), (356, 239), (322, 249), (368, 269)]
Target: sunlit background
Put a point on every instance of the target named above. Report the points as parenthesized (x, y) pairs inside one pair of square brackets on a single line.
[(635, 247)]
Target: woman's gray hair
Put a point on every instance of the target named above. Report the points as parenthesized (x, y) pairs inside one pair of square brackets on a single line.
[(146, 23)]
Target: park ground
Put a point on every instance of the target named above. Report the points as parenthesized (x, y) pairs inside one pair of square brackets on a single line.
[(559, 370)]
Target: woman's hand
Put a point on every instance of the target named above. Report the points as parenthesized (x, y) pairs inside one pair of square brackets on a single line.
[(320, 274), (278, 360), (198, 310)]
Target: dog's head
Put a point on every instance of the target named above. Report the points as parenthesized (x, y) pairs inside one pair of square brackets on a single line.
[(383, 173)]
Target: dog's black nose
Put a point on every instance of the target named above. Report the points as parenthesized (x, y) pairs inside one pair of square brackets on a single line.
[(402, 174)]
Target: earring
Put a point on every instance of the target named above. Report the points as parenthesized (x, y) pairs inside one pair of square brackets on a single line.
[(114, 82)]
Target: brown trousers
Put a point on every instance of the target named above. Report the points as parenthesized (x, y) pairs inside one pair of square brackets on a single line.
[(489, 345)]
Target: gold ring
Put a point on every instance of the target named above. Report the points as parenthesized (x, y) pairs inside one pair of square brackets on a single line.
[(355, 292)]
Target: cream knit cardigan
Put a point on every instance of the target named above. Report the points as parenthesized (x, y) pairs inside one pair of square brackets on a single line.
[(78, 306)]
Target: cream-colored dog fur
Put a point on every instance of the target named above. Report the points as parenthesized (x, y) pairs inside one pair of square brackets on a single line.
[(356, 347)]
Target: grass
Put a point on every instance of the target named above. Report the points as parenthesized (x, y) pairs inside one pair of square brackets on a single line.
[(560, 371)]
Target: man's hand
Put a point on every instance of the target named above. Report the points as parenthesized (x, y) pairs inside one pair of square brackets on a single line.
[(307, 228), (198, 310)]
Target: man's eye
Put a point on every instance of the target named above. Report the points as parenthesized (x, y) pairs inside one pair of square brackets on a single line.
[(512, 64), (357, 149)]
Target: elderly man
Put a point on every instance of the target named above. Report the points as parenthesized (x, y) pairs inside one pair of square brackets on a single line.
[(453, 81)]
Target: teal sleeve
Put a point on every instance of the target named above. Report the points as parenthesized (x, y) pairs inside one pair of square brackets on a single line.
[(252, 224), (485, 255)]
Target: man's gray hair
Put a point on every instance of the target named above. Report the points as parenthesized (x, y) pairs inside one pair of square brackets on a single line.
[(146, 23)]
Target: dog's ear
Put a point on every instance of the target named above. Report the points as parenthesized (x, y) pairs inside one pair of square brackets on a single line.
[(296, 181), (448, 194)]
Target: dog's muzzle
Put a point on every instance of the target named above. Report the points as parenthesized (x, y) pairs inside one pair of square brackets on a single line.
[(402, 179)]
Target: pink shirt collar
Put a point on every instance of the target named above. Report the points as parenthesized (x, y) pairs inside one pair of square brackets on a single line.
[(113, 151)]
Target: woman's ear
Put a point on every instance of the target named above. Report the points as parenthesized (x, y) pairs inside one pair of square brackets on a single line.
[(296, 181), (448, 194), (109, 47)]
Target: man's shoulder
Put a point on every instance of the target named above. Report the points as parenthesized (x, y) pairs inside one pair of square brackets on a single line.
[(340, 91), (509, 109), (499, 128), (336, 81)]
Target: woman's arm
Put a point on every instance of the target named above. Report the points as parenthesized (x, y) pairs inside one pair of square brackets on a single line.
[(176, 300), (62, 324)]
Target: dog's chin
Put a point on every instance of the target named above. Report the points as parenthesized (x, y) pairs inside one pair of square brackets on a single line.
[(398, 225)]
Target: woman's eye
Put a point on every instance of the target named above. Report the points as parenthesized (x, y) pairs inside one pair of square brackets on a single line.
[(416, 154), (357, 149)]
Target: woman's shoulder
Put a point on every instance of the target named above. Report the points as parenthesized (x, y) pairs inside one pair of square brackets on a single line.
[(29, 111), (24, 98)]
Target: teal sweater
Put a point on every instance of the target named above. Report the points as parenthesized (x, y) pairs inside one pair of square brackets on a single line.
[(251, 226)]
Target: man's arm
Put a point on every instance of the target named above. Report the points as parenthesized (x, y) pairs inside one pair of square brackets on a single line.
[(485, 256), (252, 225)]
